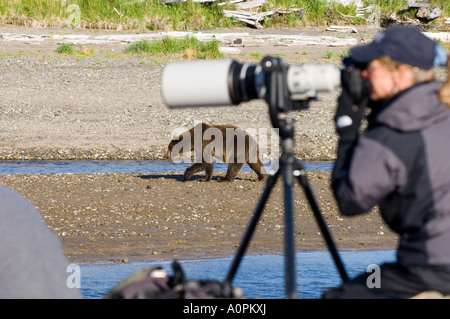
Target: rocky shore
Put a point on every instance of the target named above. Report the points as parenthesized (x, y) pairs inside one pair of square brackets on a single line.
[(109, 106), (107, 218)]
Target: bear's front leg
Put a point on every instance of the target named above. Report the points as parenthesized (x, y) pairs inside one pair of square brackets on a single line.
[(209, 171), (191, 170)]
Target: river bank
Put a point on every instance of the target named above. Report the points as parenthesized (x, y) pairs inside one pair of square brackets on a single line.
[(110, 218), (108, 105)]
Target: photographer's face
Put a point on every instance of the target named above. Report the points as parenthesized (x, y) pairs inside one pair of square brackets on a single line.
[(382, 81)]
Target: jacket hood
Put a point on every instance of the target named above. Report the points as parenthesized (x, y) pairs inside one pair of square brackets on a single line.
[(414, 109)]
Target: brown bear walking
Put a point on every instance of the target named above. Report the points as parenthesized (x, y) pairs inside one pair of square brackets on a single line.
[(226, 143)]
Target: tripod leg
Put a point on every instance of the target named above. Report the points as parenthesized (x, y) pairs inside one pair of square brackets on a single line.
[(303, 180), (290, 276), (250, 229)]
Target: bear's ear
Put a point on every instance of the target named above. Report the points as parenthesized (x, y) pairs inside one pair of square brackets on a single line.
[(177, 137)]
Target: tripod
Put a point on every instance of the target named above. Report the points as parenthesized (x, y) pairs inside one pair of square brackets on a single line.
[(290, 168)]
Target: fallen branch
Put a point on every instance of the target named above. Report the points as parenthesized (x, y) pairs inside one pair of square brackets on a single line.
[(418, 4), (248, 17), (256, 18), (117, 11), (425, 13), (372, 13), (342, 29)]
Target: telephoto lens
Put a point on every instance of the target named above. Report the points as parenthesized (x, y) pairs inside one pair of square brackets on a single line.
[(227, 82), (198, 83)]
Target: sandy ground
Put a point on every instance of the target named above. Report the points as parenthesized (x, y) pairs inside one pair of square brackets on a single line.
[(144, 217), (108, 106)]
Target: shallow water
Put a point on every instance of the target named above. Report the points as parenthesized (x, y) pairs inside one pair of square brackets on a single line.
[(258, 276), (91, 166)]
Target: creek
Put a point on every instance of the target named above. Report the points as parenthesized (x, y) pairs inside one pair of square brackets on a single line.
[(116, 166)]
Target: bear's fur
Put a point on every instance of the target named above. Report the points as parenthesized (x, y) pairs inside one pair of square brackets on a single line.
[(247, 152)]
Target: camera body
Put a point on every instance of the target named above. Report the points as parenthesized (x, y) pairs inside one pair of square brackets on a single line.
[(352, 80)]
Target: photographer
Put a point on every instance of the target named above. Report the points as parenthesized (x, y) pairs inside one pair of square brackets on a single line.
[(33, 265), (401, 162)]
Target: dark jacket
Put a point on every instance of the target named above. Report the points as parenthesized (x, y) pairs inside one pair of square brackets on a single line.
[(402, 163)]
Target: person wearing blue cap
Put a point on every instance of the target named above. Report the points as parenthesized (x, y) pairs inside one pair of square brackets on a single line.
[(399, 162)]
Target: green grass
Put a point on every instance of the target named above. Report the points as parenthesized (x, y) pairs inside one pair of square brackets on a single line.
[(256, 55), (65, 48), (68, 49), (114, 14), (330, 54), (188, 47), (152, 15)]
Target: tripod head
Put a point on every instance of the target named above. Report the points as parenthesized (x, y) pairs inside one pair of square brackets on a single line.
[(279, 98)]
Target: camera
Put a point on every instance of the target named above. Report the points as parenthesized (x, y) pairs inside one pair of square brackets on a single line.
[(228, 82), (352, 80)]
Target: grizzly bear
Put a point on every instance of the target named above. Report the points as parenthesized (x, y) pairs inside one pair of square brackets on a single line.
[(217, 143)]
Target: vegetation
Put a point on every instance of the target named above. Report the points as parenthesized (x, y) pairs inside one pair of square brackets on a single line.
[(82, 52), (142, 15), (65, 48), (113, 14), (152, 15), (188, 47)]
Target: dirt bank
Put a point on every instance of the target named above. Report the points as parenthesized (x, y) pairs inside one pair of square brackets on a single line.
[(142, 217)]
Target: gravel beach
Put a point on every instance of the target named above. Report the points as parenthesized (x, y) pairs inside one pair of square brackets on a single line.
[(107, 218), (108, 106)]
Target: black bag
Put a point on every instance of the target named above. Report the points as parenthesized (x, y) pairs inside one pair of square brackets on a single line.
[(155, 283)]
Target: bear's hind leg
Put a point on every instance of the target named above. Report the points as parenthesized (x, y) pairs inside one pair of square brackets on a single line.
[(259, 169), (232, 171)]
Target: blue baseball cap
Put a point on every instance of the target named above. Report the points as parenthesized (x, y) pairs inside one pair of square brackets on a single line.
[(401, 43)]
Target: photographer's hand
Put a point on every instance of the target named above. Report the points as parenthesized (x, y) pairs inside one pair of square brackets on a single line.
[(348, 117), (351, 105), (349, 114)]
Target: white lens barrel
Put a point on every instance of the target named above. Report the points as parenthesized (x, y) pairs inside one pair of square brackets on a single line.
[(220, 83), (198, 83), (312, 78)]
